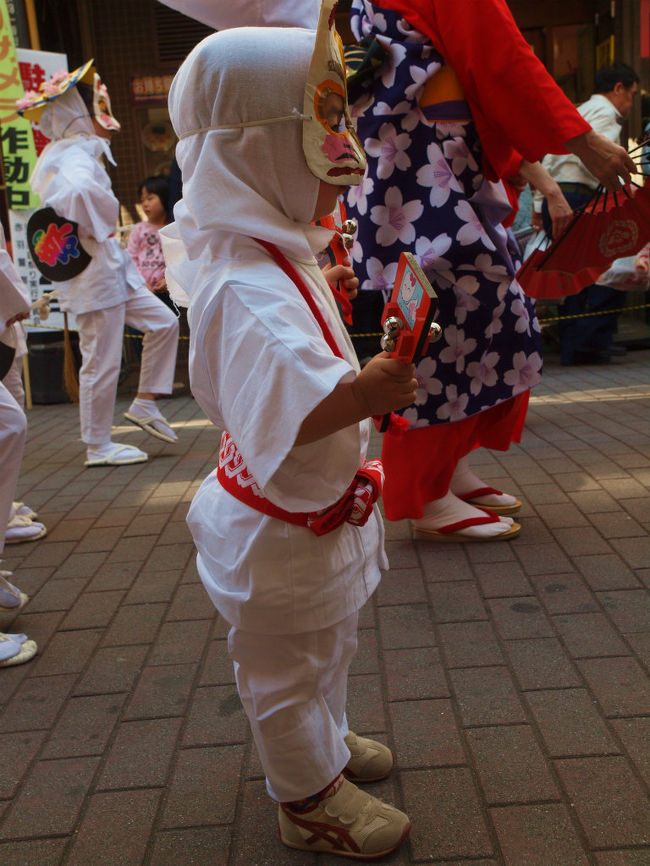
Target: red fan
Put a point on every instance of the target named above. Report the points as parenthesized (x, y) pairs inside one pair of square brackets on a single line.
[(612, 225)]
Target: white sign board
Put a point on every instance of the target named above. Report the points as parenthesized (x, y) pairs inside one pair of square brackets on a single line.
[(35, 67)]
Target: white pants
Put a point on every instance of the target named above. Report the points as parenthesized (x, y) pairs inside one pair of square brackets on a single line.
[(100, 340), (294, 689), (13, 381), (13, 428)]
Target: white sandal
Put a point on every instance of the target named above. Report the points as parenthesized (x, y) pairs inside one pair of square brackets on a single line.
[(470, 529), (23, 510), (148, 424), (12, 600), (20, 529), (16, 649), (118, 455)]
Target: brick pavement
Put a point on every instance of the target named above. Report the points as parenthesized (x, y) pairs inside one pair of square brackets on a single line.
[(511, 678)]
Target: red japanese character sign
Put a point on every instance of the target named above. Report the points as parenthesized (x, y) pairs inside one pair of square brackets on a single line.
[(55, 246)]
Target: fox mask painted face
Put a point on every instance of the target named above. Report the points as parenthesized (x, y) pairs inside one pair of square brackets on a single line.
[(332, 149), (102, 106)]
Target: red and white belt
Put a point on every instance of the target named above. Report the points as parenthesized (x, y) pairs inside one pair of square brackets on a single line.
[(356, 504)]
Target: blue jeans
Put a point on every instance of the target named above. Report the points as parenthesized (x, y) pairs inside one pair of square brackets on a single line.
[(590, 335)]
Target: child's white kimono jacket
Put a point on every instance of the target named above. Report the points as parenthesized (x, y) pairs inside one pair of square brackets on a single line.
[(259, 363), (70, 177)]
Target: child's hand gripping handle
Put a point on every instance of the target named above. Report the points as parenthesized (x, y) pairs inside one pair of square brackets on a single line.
[(405, 347), (385, 384), (408, 318)]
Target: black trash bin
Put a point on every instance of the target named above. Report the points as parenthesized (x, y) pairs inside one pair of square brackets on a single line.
[(45, 347)]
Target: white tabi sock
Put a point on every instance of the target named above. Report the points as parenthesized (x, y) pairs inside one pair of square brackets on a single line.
[(449, 509), (464, 481)]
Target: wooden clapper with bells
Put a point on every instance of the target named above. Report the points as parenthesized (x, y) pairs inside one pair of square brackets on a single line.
[(407, 320)]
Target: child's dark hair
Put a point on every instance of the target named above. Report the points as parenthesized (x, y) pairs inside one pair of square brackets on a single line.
[(157, 184)]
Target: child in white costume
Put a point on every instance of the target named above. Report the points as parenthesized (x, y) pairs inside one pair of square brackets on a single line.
[(14, 300), (70, 177), (289, 392), (14, 648)]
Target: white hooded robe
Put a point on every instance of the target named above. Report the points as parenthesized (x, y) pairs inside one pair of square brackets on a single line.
[(259, 363)]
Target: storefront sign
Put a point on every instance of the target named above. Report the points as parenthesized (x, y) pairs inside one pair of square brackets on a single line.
[(18, 151), (150, 88), (605, 52), (35, 67)]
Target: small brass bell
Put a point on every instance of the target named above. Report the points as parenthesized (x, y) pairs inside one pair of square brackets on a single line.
[(348, 241), (387, 343), (435, 332), (349, 227)]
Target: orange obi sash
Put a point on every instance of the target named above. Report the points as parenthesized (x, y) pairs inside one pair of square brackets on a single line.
[(443, 98)]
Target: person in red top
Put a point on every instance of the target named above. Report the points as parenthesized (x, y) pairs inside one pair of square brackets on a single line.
[(459, 103), (514, 101)]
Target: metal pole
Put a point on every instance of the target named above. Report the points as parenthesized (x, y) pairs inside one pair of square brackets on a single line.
[(32, 25)]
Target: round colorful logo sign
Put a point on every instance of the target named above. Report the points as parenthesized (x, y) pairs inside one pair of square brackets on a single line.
[(55, 246)]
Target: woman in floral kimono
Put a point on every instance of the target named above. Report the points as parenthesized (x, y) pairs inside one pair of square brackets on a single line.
[(458, 83)]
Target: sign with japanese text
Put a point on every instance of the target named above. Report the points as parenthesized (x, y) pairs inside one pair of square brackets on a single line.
[(18, 150), (150, 88), (35, 68)]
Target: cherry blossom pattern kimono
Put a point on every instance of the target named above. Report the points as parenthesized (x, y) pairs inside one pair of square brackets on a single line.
[(425, 192)]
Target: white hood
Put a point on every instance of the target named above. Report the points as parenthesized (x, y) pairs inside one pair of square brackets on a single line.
[(236, 106), (66, 116)]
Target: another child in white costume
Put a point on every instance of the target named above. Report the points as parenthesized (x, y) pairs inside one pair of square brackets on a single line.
[(70, 177), (271, 363), (14, 648), (14, 298)]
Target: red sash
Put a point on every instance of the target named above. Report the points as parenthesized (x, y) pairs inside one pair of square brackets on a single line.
[(355, 506)]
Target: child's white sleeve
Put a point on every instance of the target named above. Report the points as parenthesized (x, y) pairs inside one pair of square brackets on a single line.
[(77, 192), (223, 14), (14, 298)]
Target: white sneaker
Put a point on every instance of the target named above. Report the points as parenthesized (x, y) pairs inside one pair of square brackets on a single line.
[(370, 761), (349, 822)]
